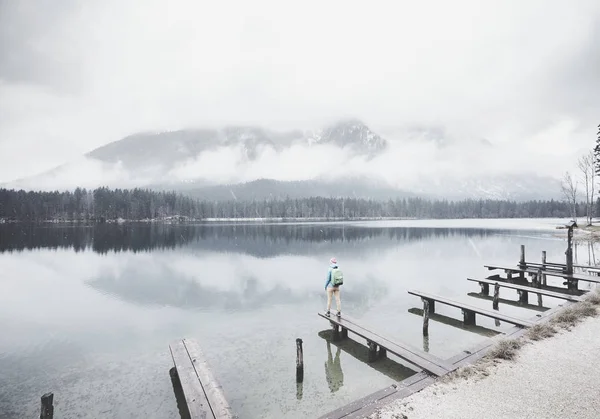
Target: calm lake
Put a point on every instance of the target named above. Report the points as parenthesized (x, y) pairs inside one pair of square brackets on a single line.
[(88, 312)]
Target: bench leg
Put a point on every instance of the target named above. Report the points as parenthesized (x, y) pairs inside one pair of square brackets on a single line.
[(431, 305), (469, 317), (572, 285), (382, 352), (336, 332), (485, 288), (523, 296), (372, 351), (344, 333)]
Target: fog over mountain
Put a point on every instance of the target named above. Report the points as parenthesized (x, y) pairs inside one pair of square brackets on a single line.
[(262, 99)]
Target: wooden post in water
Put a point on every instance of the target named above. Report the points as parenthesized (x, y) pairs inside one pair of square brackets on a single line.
[(569, 252), (47, 411), (496, 296), (544, 267), (522, 260), (425, 317), (299, 361)]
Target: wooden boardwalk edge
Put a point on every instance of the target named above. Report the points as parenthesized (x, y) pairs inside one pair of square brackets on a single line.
[(204, 397), (421, 380)]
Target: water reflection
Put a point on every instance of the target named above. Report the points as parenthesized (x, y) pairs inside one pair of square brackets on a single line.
[(359, 351), (333, 369), (257, 240)]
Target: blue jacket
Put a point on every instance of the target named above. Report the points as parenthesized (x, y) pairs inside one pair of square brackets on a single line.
[(328, 280)]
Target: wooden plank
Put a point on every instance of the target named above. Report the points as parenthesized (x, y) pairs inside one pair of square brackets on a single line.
[(493, 314), (541, 291), (401, 346), (497, 278), (572, 277), (413, 355), (363, 407), (213, 390), (196, 400), (459, 324), (357, 405), (386, 366), (504, 301)]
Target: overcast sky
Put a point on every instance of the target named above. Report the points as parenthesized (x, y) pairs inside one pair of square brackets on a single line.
[(77, 74)]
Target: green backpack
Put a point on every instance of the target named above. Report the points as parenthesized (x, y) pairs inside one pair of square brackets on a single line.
[(337, 277)]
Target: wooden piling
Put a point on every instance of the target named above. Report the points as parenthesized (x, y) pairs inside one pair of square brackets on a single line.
[(496, 296), (372, 351), (425, 317), (544, 267), (299, 361), (47, 411), (522, 261)]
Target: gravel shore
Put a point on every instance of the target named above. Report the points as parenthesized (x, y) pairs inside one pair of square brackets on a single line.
[(558, 377)]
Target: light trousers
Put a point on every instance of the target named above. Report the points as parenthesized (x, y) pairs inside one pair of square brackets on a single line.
[(338, 301)]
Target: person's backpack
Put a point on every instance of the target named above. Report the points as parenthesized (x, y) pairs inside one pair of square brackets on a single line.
[(337, 277)]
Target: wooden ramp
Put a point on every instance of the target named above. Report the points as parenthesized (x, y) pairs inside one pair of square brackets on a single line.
[(203, 394), (469, 311), (523, 288), (414, 356)]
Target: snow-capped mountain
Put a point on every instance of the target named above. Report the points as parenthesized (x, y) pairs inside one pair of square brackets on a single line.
[(169, 149), (351, 133), (344, 159)]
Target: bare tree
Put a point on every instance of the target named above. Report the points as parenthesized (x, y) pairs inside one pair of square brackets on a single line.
[(569, 190), (587, 164)]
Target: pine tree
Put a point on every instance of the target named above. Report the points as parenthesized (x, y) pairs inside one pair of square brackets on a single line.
[(597, 151)]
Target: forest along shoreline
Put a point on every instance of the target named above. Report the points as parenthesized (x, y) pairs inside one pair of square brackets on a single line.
[(123, 205)]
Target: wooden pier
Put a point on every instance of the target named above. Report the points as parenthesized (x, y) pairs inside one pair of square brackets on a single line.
[(433, 367), (524, 290), (379, 345), (470, 311), (204, 398)]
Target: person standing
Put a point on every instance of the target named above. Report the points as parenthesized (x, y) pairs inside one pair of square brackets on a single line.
[(335, 278)]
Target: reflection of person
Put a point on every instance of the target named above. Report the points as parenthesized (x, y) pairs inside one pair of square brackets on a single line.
[(333, 370), (332, 290)]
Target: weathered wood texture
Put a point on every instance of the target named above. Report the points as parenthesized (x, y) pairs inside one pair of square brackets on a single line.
[(539, 291), (366, 406), (469, 308), (203, 394), (413, 356), (504, 301), (425, 317), (534, 270), (299, 361), (459, 324), (47, 408)]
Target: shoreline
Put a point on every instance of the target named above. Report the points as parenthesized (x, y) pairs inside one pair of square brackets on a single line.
[(526, 368)]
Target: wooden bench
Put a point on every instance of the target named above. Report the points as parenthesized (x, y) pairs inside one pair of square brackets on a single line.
[(470, 311), (523, 290), (571, 279), (203, 394), (417, 357)]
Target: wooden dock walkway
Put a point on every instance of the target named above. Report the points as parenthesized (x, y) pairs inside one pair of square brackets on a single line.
[(470, 311), (523, 288), (422, 360), (203, 395)]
